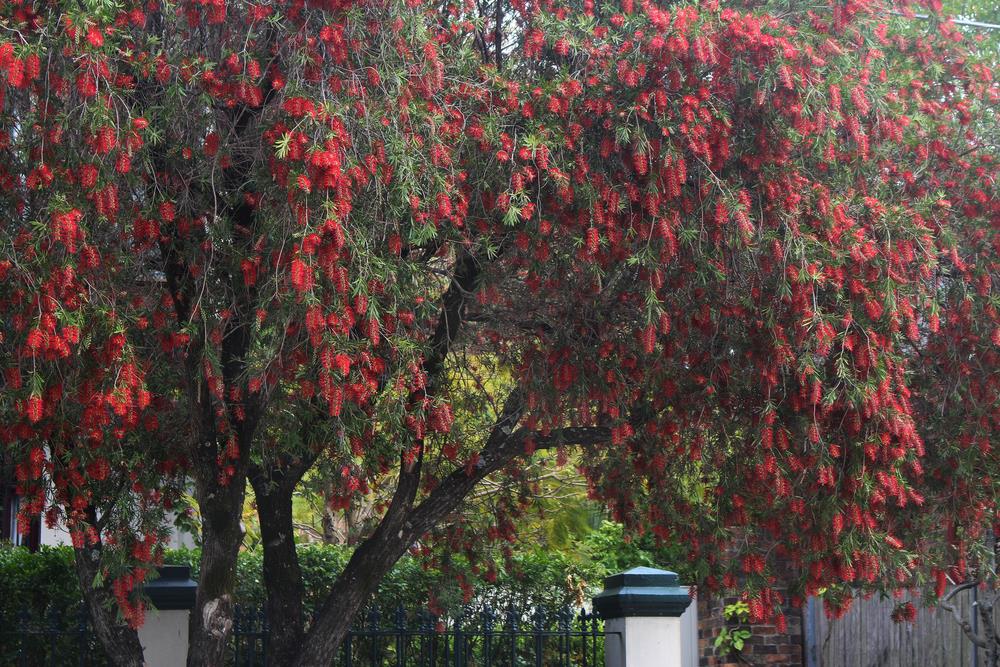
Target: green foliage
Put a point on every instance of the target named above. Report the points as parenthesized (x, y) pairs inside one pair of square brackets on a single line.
[(732, 640), (36, 582), (38, 587), (42, 582)]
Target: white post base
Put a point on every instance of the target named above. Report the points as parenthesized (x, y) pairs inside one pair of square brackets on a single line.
[(164, 638), (643, 641)]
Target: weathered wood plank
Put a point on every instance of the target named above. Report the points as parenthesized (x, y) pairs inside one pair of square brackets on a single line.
[(866, 636)]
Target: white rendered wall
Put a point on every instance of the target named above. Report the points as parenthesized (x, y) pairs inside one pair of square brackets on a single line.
[(164, 638), (652, 641)]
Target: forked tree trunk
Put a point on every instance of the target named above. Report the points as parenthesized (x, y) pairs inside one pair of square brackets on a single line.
[(211, 624), (120, 642)]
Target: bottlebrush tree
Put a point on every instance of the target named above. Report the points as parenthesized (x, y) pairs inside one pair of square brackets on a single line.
[(743, 255)]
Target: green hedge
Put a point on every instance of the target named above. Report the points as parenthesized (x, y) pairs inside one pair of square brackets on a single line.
[(537, 578), (36, 583), (45, 581)]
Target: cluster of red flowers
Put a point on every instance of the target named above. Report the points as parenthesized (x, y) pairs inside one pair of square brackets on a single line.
[(705, 235)]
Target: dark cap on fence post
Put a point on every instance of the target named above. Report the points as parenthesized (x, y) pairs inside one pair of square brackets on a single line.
[(173, 590), (642, 610), (642, 591), (164, 635)]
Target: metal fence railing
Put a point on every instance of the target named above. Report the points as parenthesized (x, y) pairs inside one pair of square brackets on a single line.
[(484, 638), (57, 638), (511, 638)]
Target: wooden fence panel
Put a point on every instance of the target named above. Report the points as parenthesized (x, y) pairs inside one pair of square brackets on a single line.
[(867, 637)]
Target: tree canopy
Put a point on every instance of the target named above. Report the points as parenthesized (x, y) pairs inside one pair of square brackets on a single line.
[(743, 256)]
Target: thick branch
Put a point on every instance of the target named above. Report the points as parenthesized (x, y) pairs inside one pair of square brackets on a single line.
[(463, 283), (403, 525), (962, 622)]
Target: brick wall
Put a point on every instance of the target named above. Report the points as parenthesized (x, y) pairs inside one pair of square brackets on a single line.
[(766, 645)]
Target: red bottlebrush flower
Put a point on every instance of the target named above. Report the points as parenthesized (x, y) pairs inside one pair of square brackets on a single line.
[(88, 176), (336, 232), (781, 624), (107, 139), (211, 144), (647, 336), (785, 75), (396, 245), (360, 304), (12, 376), (837, 524), (98, 469), (249, 270), (342, 363), (95, 37), (6, 55), (443, 205), (814, 433), (15, 73), (874, 309), (441, 418), (86, 85), (335, 401), (304, 183), (372, 332), (34, 408), (167, 211), (35, 339), (756, 610), (940, 583), (859, 101), (592, 241), (904, 612), (301, 275), (123, 164), (640, 162)]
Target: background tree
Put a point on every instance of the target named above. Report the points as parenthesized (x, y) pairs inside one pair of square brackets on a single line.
[(741, 255)]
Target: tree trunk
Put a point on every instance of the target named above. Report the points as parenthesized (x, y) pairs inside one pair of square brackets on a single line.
[(120, 642), (211, 621), (282, 574), (368, 566), (986, 608)]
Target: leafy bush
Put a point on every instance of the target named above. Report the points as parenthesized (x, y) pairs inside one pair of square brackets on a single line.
[(42, 582), (37, 591), (36, 583)]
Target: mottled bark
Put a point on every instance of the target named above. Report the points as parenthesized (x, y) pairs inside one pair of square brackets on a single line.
[(120, 642), (211, 622)]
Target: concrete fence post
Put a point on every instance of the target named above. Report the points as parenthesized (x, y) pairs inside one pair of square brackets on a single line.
[(642, 610), (164, 635)]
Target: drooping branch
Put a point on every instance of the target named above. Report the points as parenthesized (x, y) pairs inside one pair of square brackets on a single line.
[(963, 623)]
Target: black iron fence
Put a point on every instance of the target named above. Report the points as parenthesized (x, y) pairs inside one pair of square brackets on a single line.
[(484, 638), (57, 638)]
